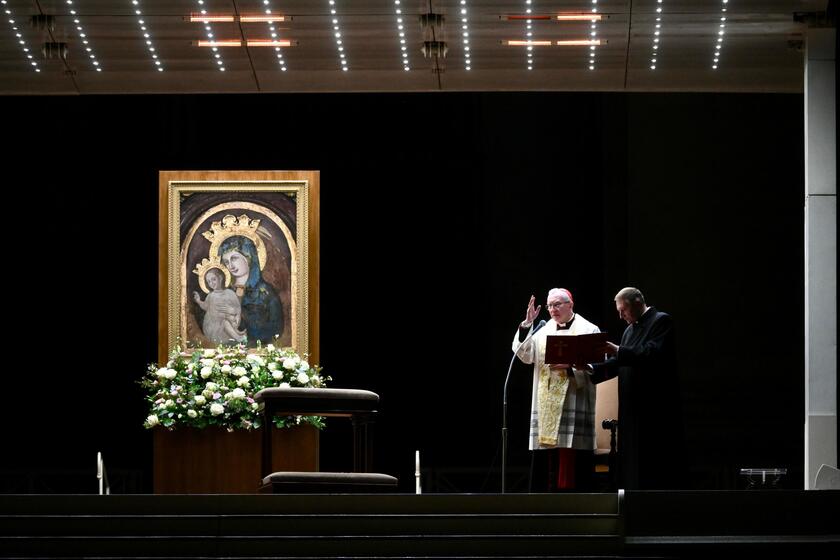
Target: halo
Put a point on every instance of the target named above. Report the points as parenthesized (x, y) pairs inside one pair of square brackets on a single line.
[(231, 226), (205, 265)]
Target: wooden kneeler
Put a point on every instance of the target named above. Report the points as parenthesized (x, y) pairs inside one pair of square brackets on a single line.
[(358, 405)]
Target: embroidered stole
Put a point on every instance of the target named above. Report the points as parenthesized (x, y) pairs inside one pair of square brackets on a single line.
[(551, 394)]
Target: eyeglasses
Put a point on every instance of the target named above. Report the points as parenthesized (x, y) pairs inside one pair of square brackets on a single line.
[(556, 305)]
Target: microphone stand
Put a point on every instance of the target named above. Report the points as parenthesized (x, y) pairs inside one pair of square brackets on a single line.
[(504, 402)]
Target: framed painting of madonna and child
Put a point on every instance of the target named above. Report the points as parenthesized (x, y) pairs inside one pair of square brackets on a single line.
[(239, 259)]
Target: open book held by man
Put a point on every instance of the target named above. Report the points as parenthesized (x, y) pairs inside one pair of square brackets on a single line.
[(579, 349)]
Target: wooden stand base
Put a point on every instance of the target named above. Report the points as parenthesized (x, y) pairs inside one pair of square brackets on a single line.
[(215, 461)]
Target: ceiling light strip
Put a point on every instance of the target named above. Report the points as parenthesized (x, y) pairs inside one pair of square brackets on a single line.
[(401, 34), (579, 43), (529, 37), (216, 44), (83, 36), (211, 38), (206, 18), (465, 35), (339, 42), (579, 17), (275, 42), (657, 28), (721, 30), (593, 34), (521, 43), (272, 18), (10, 17), (147, 37)]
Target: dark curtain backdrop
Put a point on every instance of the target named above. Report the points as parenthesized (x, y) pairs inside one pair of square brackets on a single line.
[(441, 215)]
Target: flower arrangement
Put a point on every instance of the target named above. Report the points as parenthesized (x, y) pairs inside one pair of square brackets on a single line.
[(216, 386)]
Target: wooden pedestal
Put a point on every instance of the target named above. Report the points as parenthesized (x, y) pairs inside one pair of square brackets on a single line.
[(215, 461)]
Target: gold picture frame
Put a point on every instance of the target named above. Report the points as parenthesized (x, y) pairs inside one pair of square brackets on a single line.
[(239, 259)]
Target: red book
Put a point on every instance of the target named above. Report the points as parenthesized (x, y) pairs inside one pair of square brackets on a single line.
[(575, 349)]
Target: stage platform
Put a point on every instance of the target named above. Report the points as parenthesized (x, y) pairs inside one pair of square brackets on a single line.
[(691, 524)]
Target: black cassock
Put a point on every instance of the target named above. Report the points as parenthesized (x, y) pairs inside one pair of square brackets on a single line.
[(650, 434)]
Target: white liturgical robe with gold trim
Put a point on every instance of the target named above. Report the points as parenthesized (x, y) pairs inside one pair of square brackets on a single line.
[(576, 427)]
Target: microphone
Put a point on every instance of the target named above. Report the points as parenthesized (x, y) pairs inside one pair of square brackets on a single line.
[(534, 329)]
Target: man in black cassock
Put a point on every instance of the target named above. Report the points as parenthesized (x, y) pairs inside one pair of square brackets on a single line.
[(649, 408)]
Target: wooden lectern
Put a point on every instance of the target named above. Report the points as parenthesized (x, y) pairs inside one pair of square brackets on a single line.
[(358, 405)]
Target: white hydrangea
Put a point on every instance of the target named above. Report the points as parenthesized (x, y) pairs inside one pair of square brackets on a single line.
[(304, 364), (284, 385), (272, 366), (209, 352), (211, 386), (226, 368), (238, 393), (216, 409), (200, 400), (277, 374), (206, 362), (243, 381), (239, 371), (206, 371)]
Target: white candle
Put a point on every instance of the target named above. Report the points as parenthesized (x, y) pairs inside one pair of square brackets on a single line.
[(417, 489)]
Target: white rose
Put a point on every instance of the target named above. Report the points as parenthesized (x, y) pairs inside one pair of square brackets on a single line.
[(284, 385), (209, 353), (239, 371), (152, 420), (199, 400), (211, 386), (272, 366), (255, 406), (289, 363), (207, 363), (169, 403), (243, 381), (277, 374), (304, 364), (302, 378), (206, 371), (161, 372), (256, 359), (216, 409), (226, 368), (238, 393), (170, 374), (192, 413)]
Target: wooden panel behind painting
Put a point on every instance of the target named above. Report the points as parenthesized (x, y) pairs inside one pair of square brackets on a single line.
[(312, 177), (215, 461), (212, 460)]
